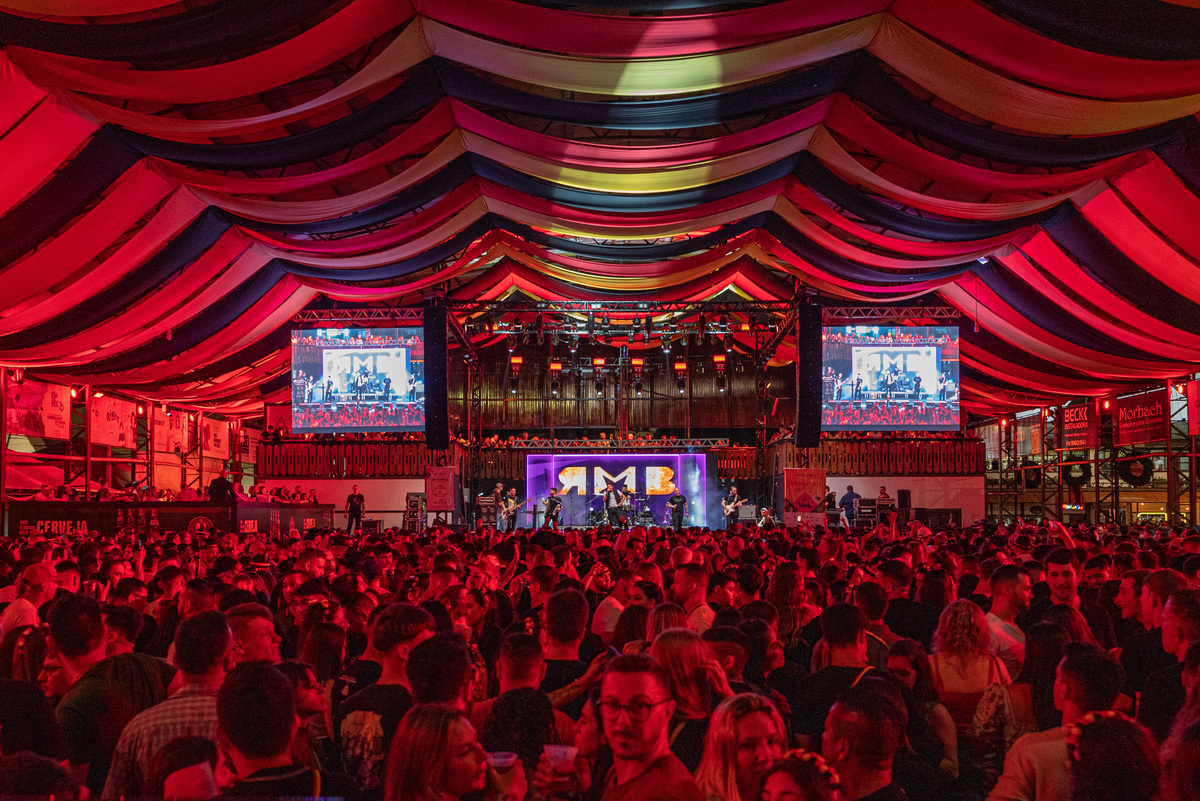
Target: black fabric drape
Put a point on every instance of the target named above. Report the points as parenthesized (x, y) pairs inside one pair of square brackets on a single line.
[(71, 190), (159, 269), (849, 270), (445, 180), (1142, 29), (216, 27), (1112, 268), (820, 178), (397, 269), (205, 325), (420, 90), (1040, 311)]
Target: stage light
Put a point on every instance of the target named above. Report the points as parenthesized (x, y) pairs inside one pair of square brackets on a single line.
[(637, 362), (637, 387), (598, 361), (637, 322), (141, 410), (720, 382), (556, 367), (600, 385), (1004, 422), (680, 366), (516, 361), (74, 394), (1107, 404), (666, 345), (719, 359), (574, 345), (591, 324), (554, 386), (728, 343), (554, 338), (512, 384), (607, 322), (97, 394), (681, 383), (512, 343)]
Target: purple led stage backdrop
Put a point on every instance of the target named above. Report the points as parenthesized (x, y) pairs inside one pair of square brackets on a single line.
[(653, 477)]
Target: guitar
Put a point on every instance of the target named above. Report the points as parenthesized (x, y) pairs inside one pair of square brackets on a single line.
[(730, 508), (511, 508)]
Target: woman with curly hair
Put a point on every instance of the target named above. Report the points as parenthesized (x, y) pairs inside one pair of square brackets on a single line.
[(961, 665), (745, 737)]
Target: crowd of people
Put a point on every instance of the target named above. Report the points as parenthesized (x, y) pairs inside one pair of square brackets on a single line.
[(898, 415), (1031, 662), (145, 493), (380, 416)]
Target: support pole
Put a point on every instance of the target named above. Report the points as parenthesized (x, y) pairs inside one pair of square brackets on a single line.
[(3, 449), (87, 442)]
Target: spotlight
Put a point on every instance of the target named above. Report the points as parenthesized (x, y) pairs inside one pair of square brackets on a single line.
[(637, 387), (553, 386), (74, 394), (600, 386), (97, 394), (666, 345), (720, 383), (512, 384), (681, 383), (574, 345), (728, 343), (141, 410)]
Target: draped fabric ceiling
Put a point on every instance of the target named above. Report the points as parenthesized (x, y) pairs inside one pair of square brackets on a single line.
[(180, 179)]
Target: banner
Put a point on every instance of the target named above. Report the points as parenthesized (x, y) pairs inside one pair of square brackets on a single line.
[(439, 489), (113, 422), (1077, 427), (109, 517), (170, 431), (35, 409), (1142, 418), (803, 493), (1192, 390), (215, 437)]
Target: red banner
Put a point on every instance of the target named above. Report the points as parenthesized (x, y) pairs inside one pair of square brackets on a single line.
[(1192, 391), (1142, 418), (1077, 427)]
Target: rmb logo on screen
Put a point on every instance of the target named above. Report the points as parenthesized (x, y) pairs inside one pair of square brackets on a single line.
[(655, 479)]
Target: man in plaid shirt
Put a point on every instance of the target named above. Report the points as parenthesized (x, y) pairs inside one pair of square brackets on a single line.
[(203, 653)]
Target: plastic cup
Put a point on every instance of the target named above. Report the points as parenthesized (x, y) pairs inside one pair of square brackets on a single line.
[(502, 761), (560, 754)]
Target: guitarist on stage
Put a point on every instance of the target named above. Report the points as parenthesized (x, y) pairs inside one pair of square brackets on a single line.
[(731, 504), (511, 508), (553, 507)]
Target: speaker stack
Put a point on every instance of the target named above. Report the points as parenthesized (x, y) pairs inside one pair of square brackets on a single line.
[(808, 376), (437, 415)]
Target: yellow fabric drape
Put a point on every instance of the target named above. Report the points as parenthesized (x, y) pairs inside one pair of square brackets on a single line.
[(1017, 105), (639, 181), (650, 77)]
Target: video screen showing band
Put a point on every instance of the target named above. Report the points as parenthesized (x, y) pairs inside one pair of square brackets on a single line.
[(881, 378), (347, 380), (643, 483)]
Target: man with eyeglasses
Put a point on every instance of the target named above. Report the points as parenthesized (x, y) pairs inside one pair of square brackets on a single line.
[(635, 708)]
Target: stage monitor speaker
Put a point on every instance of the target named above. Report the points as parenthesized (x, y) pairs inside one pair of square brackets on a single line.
[(808, 376), (437, 416), (904, 498)]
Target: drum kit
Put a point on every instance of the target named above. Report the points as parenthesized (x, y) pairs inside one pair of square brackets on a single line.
[(636, 511)]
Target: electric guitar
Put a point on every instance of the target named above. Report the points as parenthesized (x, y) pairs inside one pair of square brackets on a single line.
[(730, 508), (512, 507)]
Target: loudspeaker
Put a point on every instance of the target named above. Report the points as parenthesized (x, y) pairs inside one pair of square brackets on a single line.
[(904, 498), (437, 416), (808, 376)]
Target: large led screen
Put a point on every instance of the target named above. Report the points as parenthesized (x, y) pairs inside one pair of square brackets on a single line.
[(581, 478), (879, 378), (358, 379)]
